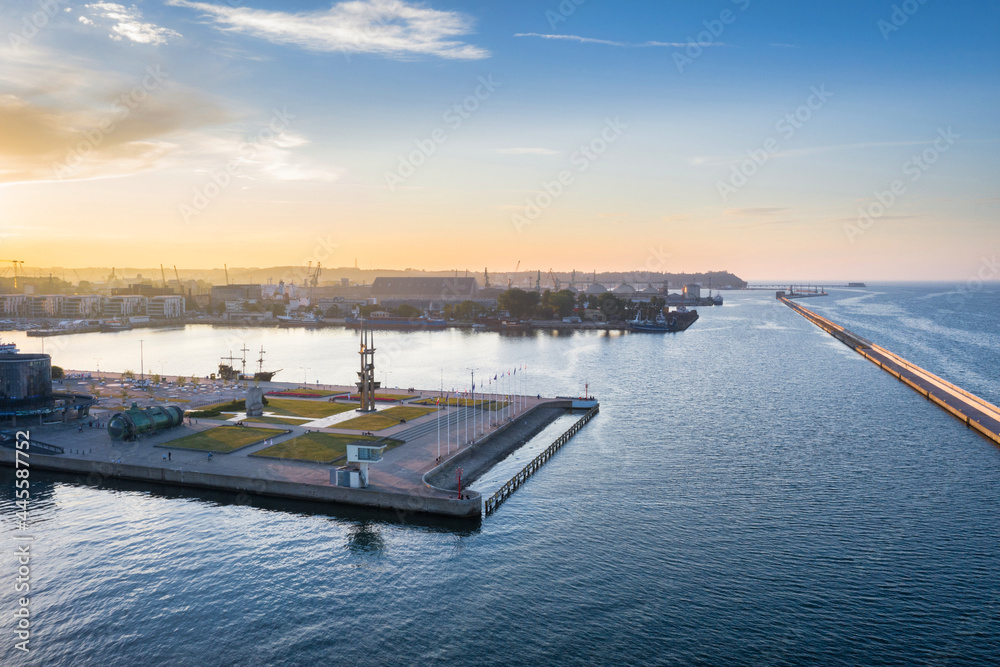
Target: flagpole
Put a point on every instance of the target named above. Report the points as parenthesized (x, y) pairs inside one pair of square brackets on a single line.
[(439, 427)]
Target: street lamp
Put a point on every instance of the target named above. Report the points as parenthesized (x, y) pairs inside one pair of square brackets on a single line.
[(304, 373)]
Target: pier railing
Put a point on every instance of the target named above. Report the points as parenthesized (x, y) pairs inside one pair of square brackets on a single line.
[(508, 489)]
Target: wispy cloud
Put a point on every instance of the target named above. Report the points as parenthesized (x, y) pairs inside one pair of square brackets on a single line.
[(527, 151), (608, 42), (755, 212), (708, 161), (125, 23), (391, 28)]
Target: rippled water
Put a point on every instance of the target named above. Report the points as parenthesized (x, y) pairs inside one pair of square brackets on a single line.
[(751, 492)]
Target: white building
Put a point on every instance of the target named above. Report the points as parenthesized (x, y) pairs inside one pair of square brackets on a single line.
[(82, 306), (165, 307), (13, 305), (126, 305)]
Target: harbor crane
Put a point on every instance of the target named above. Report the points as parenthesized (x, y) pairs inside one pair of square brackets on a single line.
[(15, 262), (163, 274), (314, 277), (515, 273), (226, 269), (555, 281)]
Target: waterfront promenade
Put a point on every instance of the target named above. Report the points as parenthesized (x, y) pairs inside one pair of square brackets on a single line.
[(397, 481)]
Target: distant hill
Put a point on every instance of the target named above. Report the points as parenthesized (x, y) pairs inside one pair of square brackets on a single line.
[(298, 274)]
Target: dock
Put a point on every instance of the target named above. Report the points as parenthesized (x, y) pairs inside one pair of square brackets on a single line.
[(976, 413)]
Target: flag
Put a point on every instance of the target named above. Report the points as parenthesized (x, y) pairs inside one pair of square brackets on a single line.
[(494, 376)]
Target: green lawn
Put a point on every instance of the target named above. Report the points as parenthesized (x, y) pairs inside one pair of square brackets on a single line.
[(310, 390), (291, 407), (386, 397), (222, 439), (384, 418), (319, 447), (451, 401), (277, 420)]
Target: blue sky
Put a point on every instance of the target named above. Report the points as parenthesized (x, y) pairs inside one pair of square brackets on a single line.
[(353, 90)]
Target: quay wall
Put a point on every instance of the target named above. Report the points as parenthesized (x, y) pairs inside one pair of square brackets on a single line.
[(96, 470)]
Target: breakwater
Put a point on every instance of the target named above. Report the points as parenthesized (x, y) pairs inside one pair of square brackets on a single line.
[(973, 411)]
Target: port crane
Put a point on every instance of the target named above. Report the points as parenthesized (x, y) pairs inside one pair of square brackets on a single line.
[(515, 273), (163, 274), (555, 281), (226, 269), (314, 277), (15, 262)]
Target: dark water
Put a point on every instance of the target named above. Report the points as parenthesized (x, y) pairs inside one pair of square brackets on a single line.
[(752, 492)]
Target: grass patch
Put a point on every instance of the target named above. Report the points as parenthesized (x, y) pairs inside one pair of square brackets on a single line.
[(222, 439), (464, 402), (307, 390), (319, 447), (289, 407), (386, 397), (276, 420), (216, 409), (384, 418)]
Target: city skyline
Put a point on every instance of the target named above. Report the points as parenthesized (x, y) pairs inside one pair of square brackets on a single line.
[(772, 140)]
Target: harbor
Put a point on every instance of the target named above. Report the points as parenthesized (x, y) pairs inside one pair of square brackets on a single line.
[(361, 444)]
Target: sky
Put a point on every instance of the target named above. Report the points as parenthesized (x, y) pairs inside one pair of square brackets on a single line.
[(855, 140)]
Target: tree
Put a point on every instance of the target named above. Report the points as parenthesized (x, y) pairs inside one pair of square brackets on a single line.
[(181, 380), (155, 379), (58, 373), (128, 375), (562, 302), (333, 311), (467, 311), (518, 302), (612, 307), (406, 310)]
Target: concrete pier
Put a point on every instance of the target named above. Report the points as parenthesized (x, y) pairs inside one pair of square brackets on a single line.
[(397, 481), (976, 413)]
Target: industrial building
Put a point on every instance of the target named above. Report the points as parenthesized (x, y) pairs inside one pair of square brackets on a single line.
[(26, 391), (223, 293), (424, 292)]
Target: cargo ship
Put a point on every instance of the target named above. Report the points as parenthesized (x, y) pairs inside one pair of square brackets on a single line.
[(396, 322), (672, 322)]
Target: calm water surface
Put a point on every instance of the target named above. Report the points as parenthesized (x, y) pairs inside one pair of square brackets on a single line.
[(752, 492)]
